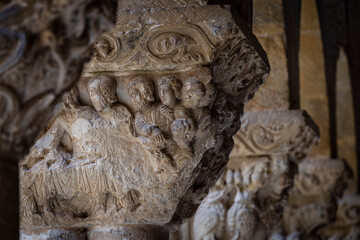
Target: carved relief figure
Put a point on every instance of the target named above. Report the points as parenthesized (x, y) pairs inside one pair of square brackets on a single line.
[(209, 220), (183, 127), (199, 97), (152, 121), (75, 140), (242, 218), (103, 96), (73, 123)]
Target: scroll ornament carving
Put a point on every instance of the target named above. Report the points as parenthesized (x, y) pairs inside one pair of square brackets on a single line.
[(167, 134), (243, 69), (171, 45), (145, 132), (267, 150), (106, 48), (276, 132)]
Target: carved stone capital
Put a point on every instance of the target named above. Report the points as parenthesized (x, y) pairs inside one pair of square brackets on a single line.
[(346, 226), (312, 201), (148, 127), (290, 132), (252, 192)]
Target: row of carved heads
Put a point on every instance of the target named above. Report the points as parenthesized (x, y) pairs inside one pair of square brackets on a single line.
[(182, 115)]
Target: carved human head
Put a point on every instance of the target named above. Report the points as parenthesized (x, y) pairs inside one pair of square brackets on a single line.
[(193, 93), (260, 173), (141, 92), (281, 177), (102, 91), (169, 91), (255, 176)]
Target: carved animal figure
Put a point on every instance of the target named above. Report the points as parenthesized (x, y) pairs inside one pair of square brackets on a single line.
[(209, 220), (242, 219)]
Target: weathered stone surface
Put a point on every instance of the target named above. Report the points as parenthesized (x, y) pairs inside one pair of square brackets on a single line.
[(312, 201), (275, 132), (74, 234), (247, 202), (128, 233), (43, 45), (148, 128), (131, 5), (346, 226)]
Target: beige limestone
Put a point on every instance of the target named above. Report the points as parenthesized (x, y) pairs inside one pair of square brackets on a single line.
[(43, 46), (148, 127), (268, 26), (345, 116), (247, 201), (312, 201), (74, 234), (313, 96), (128, 233), (125, 5), (275, 132), (346, 226)]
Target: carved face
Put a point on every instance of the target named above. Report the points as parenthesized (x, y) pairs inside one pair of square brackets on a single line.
[(107, 89), (260, 174), (136, 99), (281, 176), (141, 92), (255, 176), (193, 93), (167, 95), (102, 92)]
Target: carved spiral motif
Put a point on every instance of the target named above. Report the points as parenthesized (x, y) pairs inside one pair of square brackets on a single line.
[(9, 106), (180, 45), (264, 137), (106, 48)]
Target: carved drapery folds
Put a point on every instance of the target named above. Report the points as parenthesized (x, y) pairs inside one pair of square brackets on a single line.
[(247, 202), (148, 128)]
